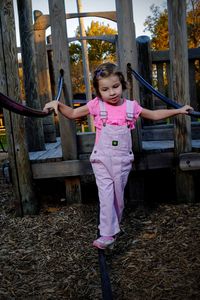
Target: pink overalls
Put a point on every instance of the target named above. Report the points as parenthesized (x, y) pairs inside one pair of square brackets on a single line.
[(111, 161)]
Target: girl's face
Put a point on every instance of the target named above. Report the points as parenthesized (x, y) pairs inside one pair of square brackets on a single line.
[(110, 89)]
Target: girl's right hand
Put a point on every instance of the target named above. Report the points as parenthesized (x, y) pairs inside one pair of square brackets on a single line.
[(53, 105)]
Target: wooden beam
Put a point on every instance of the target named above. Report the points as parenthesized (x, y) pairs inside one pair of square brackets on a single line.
[(61, 169), (43, 22), (72, 168), (163, 56)]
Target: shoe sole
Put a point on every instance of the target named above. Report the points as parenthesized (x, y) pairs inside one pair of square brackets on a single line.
[(103, 248)]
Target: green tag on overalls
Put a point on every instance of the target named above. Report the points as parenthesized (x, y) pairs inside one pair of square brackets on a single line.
[(114, 143)]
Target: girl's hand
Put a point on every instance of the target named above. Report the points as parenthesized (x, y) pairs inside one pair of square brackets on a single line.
[(53, 105), (185, 109)]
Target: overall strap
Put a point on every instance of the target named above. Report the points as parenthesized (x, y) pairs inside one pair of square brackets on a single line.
[(129, 112), (103, 113)]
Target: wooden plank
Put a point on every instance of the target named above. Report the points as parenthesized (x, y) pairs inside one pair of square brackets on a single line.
[(71, 168), (163, 56), (61, 169), (164, 132), (43, 22), (189, 161)]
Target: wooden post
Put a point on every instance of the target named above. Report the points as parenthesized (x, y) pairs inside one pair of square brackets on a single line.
[(128, 55), (61, 61), (34, 126), (86, 68), (25, 200), (44, 87), (52, 80), (145, 70), (179, 74)]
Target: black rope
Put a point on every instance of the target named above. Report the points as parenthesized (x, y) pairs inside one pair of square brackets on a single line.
[(16, 107), (105, 280), (165, 99), (60, 85)]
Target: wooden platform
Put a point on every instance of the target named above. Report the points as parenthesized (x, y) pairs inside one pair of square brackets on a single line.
[(155, 155)]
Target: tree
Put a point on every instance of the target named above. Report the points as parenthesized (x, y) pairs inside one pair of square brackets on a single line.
[(193, 21), (98, 52), (157, 24)]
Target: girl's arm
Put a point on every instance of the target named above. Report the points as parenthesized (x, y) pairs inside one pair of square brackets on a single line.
[(160, 114), (67, 111)]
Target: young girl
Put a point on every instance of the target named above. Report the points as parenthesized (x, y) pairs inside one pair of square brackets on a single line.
[(112, 156)]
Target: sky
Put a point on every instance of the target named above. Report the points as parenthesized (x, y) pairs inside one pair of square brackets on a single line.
[(141, 9)]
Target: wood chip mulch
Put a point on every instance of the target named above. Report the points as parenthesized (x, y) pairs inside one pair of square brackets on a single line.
[(50, 256)]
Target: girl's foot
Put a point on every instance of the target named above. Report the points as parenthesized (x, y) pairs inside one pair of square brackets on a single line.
[(104, 242)]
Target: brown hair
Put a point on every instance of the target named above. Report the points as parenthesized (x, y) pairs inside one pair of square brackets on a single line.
[(105, 70)]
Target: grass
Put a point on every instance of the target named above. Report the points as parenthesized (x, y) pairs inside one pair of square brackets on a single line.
[(3, 142)]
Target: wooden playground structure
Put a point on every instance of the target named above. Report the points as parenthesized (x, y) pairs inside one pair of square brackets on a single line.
[(36, 152)]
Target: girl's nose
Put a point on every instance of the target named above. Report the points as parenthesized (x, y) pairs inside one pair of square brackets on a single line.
[(112, 92)]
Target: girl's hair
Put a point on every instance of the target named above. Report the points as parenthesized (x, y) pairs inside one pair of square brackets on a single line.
[(105, 70)]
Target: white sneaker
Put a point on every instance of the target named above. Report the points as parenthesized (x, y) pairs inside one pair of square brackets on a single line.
[(104, 242)]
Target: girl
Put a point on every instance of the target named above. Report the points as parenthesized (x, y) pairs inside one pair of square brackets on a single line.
[(112, 156)]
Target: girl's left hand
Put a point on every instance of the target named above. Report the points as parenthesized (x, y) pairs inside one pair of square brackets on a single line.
[(185, 109), (53, 105)]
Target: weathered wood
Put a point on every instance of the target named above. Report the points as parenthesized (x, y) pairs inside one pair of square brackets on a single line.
[(189, 161), (70, 168), (86, 68), (72, 189), (35, 135), (61, 169), (180, 91), (61, 62), (51, 66), (85, 142), (163, 56), (166, 132), (127, 49), (44, 87), (145, 69), (25, 201), (157, 137), (161, 86), (44, 21)]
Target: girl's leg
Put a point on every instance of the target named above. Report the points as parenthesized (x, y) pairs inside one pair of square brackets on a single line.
[(122, 169), (108, 225)]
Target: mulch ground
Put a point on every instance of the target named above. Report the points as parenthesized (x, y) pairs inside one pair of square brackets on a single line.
[(50, 255)]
